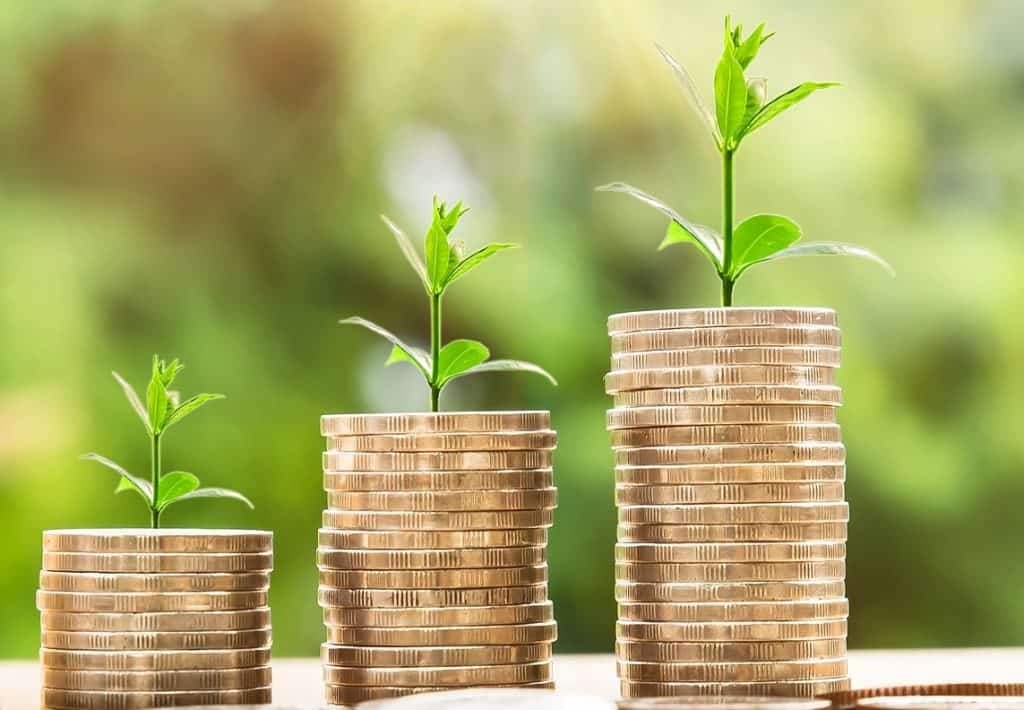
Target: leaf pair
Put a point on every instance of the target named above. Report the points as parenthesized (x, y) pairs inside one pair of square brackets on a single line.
[(162, 409)]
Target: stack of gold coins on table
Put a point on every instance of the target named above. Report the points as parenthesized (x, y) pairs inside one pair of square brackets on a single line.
[(730, 562), (154, 618), (433, 552)]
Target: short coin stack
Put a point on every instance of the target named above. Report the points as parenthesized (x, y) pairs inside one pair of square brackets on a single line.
[(730, 562), (433, 552), (154, 618)]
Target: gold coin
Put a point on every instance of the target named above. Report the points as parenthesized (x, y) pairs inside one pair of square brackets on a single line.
[(715, 414), (726, 434), (353, 694), (735, 514), (943, 702), (467, 441), (791, 688), (735, 611), (733, 672), (134, 603), (780, 532), (848, 699), (438, 616), (435, 460), (454, 676), (725, 337), (743, 394), (154, 660), (731, 454), (440, 501), (104, 700), (741, 652), (119, 681), (435, 578), (160, 540), (431, 559), (717, 317), (719, 702), (155, 562), (777, 591), (155, 641), (158, 621), (416, 598), (431, 539), (827, 492), (444, 423), (437, 480), (700, 474), (730, 571), (443, 635), (729, 551), (420, 657), (730, 631), (443, 521), (619, 381), (152, 583), (725, 357)]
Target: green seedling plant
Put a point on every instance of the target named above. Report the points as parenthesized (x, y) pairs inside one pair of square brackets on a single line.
[(161, 411), (445, 263), (741, 107)]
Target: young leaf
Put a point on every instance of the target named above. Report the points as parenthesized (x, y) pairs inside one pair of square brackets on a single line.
[(677, 234), (780, 103), (730, 97), (761, 236), (156, 397), (508, 366), (173, 486), (188, 406), (824, 249), (757, 92), (450, 218), (213, 493), (409, 251), (169, 371), (474, 260), (128, 481), (414, 354), (437, 248), (747, 50), (692, 94), (458, 356), (134, 400)]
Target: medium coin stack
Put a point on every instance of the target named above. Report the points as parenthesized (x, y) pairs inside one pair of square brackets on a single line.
[(142, 618), (729, 469), (433, 553)]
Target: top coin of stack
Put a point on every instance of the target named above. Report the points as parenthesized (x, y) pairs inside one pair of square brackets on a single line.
[(143, 618), (730, 562), (433, 552)]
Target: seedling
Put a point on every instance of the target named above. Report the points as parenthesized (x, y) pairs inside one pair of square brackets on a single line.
[(161, 411), (740, 109), (446, 262)]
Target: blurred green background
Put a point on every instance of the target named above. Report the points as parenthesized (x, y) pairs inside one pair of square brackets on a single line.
[(204, 180)]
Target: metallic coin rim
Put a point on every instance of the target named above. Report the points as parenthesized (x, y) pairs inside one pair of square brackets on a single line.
[(539, 440), (186, 540), (715, 317), (434, 422)]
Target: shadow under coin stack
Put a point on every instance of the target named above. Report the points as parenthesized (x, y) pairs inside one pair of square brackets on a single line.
[(433, 553), (730, 562), (154, 618)]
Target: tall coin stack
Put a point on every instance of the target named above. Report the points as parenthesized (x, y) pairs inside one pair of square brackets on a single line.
[(433, 552), (154, 618), (730, 562)]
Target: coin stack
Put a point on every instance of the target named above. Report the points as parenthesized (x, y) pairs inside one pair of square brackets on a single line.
[(730, 562), (433, 553), (154, 618)]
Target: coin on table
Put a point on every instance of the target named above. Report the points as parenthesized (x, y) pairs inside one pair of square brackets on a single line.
[(431, 539), (732, 631), (732, 672), (437, 480), (715, 414), (104, 700), (729, 551), (770, 591), (726, 337), (535, 672), (717, 317), (160, 540), (712, 454), (431, 559), (436, 460), (437, 520), (724, 702), (157, 621), (155, 562), (352, 694), (793, 532), (725, 434), (743, 394), (701, 474), (467, 441), (730, 493), (440, 501), (154, 641), (737, 652), (445, 423), (849, 698), (435, 578), (428, 656), (443, 635), (943, 702), (730, 571), (154, 660), (735, 514), (437, 616), (151, 602), (725, 357), (619, 381), (152, 583), (416, 598), (792, 688), (117, 681), (517, 698), (735, 611)]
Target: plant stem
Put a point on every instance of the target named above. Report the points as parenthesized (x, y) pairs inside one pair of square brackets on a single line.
[(727, 218), (154, 457), (435, 351)]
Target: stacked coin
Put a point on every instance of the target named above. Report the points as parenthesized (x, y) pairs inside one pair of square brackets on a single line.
[(433, 553), (730, 470), (154, 618)]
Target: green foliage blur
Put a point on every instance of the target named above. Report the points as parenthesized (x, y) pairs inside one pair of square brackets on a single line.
[(204, 180)]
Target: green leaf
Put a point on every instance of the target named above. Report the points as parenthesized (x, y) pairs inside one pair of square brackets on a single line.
[(134, 400), (474, 260), (692, 94), (508, 366), (451, 217), (409, 251), (174, 485), (458, 356), (825, 249), (128, 481), (730, 97), (156, 397), (677, 234), (213, 493), (747, 50), (414, 354), (399, 355), (761, 236), (188, 406), (169, 371), (780, 103), (757, 92)]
